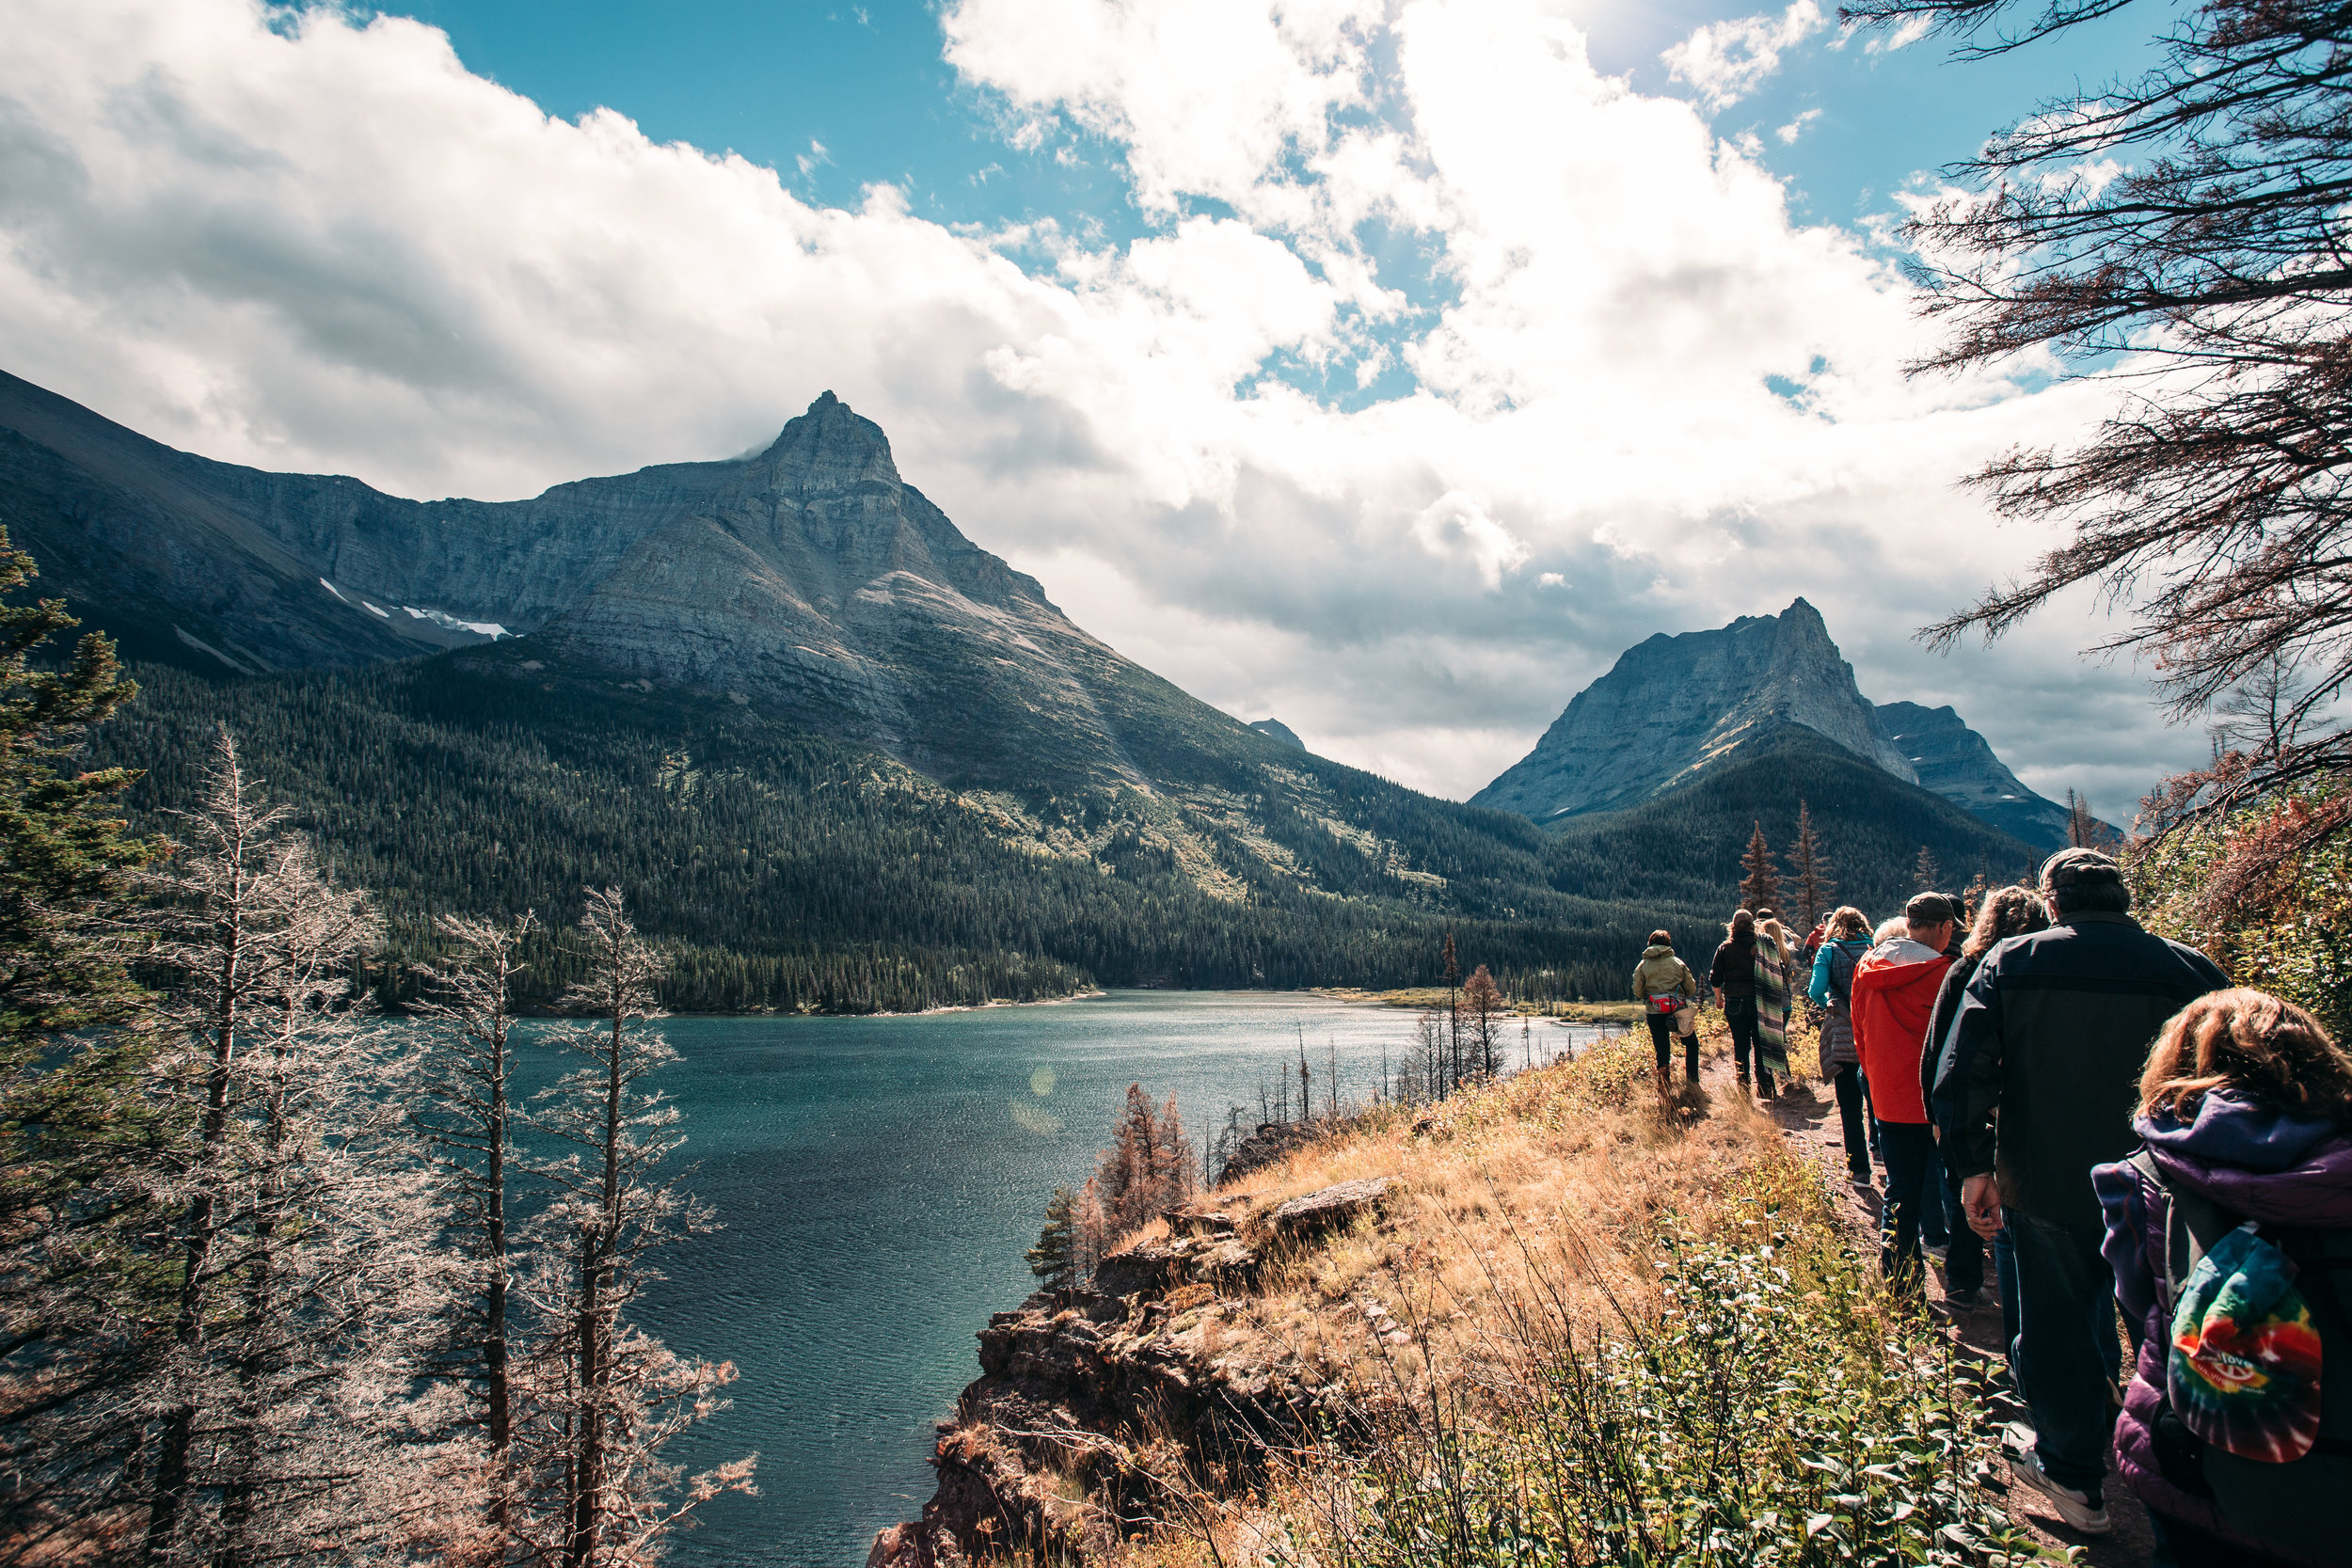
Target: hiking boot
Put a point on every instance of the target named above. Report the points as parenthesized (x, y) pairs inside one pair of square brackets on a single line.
[(1968, 1300), (1741, 1079), (1764, 1087), (1860, 1171), (2086, 1512), (1665, 1084)]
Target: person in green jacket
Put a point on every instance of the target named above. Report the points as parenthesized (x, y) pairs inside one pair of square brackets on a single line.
[(1667, 988)]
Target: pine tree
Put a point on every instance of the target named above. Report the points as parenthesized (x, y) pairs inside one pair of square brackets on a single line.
[(1054, 1259), (1925, 873), (606, 1397), (1816, 889), (1759, 889), (75, 1126)]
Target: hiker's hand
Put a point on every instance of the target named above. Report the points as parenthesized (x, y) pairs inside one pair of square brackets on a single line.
[(1980, 1197)]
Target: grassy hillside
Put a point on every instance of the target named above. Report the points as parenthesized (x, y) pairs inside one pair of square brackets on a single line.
[(794, 871), (1682, 850)]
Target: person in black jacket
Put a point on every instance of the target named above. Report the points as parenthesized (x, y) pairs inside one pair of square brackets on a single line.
[(1733, 976), (2035, 1086), (2006, 913)]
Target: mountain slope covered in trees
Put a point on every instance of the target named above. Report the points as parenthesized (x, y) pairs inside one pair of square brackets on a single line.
[(789, 869)]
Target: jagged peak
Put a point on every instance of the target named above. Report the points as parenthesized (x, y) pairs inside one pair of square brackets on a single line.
[(832, 433)]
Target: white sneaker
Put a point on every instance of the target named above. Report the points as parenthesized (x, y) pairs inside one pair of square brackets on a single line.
[(2073, 1507)]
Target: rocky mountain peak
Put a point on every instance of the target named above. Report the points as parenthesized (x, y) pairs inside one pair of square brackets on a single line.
[(1672, 704), (831, 448)]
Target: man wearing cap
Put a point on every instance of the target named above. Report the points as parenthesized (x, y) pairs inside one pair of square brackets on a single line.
[(1894, 987), (2037, 1083)]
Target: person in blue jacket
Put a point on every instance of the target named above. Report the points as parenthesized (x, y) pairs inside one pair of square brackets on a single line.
[(1845, 939)]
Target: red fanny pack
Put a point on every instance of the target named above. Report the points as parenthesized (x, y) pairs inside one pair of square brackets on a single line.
[(1664, 1003)]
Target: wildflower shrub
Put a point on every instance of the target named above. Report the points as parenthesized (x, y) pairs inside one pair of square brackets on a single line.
[(2265, 892), (1771, 1406)]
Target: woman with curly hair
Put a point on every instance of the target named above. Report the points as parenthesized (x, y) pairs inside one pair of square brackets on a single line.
[(2229, 1232)]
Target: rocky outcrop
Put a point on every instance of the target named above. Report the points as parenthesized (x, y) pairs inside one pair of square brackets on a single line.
[(1279, 730), (1957, 762), (1091, 1401)]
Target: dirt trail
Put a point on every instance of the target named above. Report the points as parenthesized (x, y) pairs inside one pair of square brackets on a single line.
[(1808, 1115)]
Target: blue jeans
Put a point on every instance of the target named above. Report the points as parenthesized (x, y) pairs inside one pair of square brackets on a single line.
[(1908, 1147), (2067, 1351)]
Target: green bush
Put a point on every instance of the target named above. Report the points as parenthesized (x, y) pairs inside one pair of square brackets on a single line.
[(1776, 1409), (2266, 894)]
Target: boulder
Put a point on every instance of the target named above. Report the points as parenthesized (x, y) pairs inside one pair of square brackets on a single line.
[(1149, 1267), (1332, 1207)]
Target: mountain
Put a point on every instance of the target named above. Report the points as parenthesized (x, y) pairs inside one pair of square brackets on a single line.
[(1279, 730), (1679, 849), (1674, 708), (1957, 762), (841, 756)]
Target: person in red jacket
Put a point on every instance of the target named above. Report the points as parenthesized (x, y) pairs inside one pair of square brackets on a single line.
[(1893, 998)]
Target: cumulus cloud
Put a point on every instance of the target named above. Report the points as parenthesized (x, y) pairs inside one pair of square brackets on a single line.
[(1625, 392), (1727, 61)]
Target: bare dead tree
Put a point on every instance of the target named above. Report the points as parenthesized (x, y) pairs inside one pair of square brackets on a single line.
[(606, 1399), (2182, 234), (466, 1114), (300, 1230)]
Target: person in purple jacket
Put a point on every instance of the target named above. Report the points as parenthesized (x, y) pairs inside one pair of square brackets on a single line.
[(2236, 1429)]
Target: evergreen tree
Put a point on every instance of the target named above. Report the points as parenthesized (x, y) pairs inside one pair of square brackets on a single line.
[(1055, 1258), (73, 1127), (1925, 873), (1816, 888), (1760, 888)]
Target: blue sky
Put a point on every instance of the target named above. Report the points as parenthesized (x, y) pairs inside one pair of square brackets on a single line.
[(1384, 366)]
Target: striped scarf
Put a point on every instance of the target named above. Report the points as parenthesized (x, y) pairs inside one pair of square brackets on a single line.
[(1771, 1007)]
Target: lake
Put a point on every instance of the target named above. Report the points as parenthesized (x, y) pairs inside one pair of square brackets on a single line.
[(879, 1179)]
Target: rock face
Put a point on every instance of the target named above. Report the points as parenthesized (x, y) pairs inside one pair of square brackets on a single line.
[(1159, 1366), (1279, 730), (809, 578), (1333, 1206), (1672, 704), (1955, 762)]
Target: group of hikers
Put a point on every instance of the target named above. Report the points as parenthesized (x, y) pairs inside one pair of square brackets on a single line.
[(2040, 1077)]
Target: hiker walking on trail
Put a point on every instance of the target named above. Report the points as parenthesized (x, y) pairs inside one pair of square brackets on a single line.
[(1893, 1000), (2038, 1083), (1669, 994), (2005, 913), (1845, 937), (1775, 984), (2229, 1233), (1732, 972)]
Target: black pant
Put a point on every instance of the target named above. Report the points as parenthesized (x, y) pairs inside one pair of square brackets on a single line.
[(1850, 1106), (2067, 1352), (1963, 1263), (1739, 1012), (1908, 1147), (1661, 1034)]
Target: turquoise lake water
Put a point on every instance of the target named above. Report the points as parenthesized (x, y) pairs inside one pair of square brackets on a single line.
[(879, 1179)]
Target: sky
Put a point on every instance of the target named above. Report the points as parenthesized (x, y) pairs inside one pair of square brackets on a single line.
[(1387, 368)]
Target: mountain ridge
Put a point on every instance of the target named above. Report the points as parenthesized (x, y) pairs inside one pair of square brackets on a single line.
[(1674, 708)]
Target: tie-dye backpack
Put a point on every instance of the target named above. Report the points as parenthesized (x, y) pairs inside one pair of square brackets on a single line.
[(2260, 1341)]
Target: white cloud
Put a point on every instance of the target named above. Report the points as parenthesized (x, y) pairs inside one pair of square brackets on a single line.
[(328, 246), (1726, 60), (1795, 128)]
